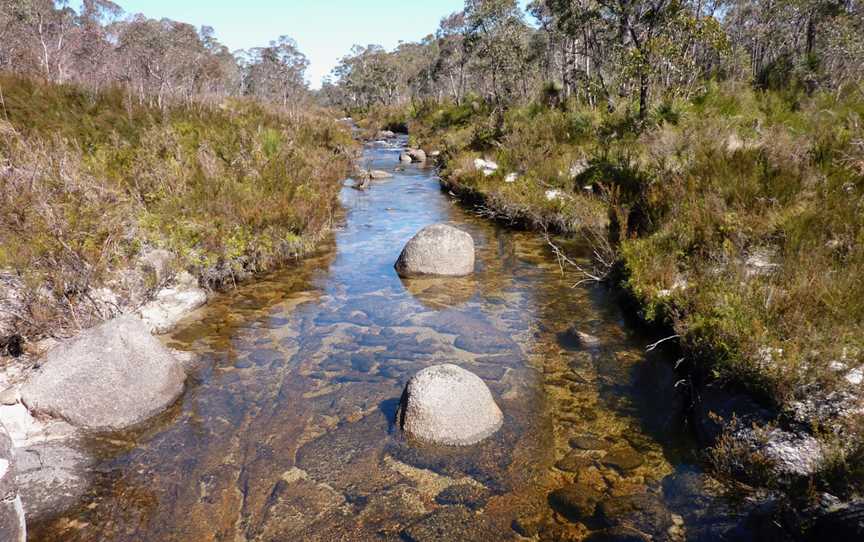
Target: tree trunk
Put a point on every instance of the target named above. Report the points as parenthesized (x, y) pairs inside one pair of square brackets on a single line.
[(643, 94)]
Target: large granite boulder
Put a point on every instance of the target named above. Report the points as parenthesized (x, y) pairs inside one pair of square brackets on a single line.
[(445, 404), (438, 249), (12, 526), (108, 378)]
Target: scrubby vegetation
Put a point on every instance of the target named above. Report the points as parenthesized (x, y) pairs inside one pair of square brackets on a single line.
[(711, 154), (90, 178), (734, 218)]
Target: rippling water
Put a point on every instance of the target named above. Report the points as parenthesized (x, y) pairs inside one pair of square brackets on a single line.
[(286, 430)]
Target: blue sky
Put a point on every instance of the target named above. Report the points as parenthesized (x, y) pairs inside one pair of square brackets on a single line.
[(325, 30)]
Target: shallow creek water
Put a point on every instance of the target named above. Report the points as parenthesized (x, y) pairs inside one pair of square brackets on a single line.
[(285, 431)]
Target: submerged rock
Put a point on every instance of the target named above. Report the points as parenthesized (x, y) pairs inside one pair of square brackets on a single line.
[(110, 377), (470, 496), (574, 339), (445, 404), (644, 512), (576, 502), (449, 523), (623, 459), (617, 534), (589, 442), (574, 461), (437, 250)]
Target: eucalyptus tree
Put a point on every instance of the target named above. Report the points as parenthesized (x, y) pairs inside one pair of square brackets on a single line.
[(34, 33), (496, 41), (369, 76), (816, 42), (450, 65), (277, 72)]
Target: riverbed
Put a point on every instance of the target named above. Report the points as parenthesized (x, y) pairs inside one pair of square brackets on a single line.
[(286, 429)]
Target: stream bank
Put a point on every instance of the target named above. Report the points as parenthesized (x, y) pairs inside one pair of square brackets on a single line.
[(777, 456)]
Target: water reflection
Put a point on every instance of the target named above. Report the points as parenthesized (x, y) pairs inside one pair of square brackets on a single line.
[(286, 429)]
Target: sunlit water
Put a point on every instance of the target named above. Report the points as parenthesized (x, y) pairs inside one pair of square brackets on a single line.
[(285, 431)]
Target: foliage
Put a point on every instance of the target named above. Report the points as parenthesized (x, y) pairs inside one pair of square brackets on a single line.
[(158, 61), (736, 215)]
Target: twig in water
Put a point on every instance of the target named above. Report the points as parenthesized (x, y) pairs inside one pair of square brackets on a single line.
[(652, 347), (563, 258)]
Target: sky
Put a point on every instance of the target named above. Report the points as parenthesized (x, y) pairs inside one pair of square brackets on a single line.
[(325, 30)]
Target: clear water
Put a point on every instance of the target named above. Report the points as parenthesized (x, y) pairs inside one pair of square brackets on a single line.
[(285, 431)]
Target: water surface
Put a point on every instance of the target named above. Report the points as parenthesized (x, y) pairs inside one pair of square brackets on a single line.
[(286, 429)]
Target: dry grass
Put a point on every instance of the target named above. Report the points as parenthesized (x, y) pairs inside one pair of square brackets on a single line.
[(88, 179)]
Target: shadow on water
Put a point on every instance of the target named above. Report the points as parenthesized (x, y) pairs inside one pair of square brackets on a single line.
[(286, 430)]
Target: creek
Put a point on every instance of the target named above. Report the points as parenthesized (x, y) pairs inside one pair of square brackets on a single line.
[(285, 431)]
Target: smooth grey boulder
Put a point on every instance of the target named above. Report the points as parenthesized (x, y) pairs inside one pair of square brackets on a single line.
[(108, 378), (437, 250), (379, 174), (12, 525), (417, 155), (446, 404)]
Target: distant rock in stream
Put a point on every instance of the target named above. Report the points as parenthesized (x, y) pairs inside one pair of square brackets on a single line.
[(110, 377), (412, 155), (575, 339), (446, 404), (438, 249), (379, 174)]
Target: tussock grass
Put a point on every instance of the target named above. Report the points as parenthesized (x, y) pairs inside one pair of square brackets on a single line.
[(89, 178), (737, 218)]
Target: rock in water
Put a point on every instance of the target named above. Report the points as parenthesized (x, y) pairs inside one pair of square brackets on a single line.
[(12, 526), (172, 304), (110, 377), (445, 404), (417, 155), (437, 250), (576, 502), (379, 174)]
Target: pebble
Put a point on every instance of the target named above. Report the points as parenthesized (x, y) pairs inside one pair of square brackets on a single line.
[(589, 442), (623, 459)]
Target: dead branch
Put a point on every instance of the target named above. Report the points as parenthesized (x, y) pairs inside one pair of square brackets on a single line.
[(561, 256), (651, 347)]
